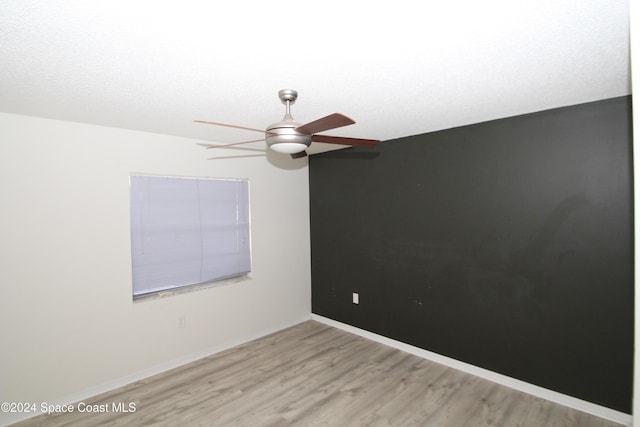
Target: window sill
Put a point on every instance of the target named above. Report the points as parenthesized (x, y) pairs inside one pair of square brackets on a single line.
[(190, 288)]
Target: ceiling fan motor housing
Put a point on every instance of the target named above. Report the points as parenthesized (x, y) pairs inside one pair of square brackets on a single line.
[(284, 138)]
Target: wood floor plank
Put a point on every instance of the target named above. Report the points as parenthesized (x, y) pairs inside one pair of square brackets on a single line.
[(316, 375), (419, 390)]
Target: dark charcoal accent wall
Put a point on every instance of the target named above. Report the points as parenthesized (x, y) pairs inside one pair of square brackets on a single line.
[(506, 245)]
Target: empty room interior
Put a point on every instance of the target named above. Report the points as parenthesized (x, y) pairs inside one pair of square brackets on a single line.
[(429, 213)]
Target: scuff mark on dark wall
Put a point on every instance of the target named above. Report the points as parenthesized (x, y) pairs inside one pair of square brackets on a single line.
[(530, 262)]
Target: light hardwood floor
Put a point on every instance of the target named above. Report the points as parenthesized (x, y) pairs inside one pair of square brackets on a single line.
[(316, 375)]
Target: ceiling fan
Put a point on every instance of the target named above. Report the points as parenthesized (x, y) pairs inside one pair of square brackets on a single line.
[(293, 138)]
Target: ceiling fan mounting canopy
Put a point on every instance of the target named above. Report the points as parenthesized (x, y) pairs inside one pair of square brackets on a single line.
[(289, 95)]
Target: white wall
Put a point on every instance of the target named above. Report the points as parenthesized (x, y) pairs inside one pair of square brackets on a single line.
[(70, 326)]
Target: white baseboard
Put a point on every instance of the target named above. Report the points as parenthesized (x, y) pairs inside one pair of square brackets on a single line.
[(550, 395), (90, 392)]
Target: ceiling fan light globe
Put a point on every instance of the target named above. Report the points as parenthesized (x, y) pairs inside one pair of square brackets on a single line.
[(288, 147)]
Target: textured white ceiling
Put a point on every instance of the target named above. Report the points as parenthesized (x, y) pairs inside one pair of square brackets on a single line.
[(400, 68)]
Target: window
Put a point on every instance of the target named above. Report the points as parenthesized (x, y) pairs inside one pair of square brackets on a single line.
[(187, 231)]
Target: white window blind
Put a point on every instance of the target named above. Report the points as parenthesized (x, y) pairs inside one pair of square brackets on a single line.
[(186, 231)]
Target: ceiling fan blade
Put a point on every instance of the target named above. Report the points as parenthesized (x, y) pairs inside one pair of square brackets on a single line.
[(236, 157), (233, 143), (331, 121), (262, 150), (354, 142), (299, 155), (231, 126)]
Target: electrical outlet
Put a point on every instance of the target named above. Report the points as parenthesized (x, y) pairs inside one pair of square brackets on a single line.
[(182, 322), (356, 298)]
